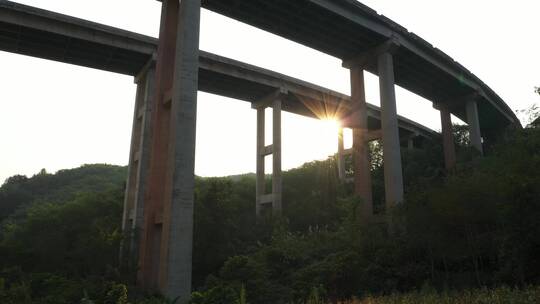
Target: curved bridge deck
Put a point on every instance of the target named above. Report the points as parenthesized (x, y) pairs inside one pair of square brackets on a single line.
[(39, 33), (346, 28)]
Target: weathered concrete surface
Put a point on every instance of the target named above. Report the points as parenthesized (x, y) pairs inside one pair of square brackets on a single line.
[(274, 199), (166, 247), (260, 170), (40, 33), (139, 162), (471, 108), (177, 265), (361, 163), (159, 182), (393, 175), (276, 157)]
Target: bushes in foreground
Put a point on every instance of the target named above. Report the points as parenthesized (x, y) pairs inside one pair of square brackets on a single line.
[(501, 295), (473, 228)]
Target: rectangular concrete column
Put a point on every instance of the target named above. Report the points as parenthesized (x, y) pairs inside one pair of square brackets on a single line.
[(151, 237), (361, 163), (131, 182), (448, 139), (144, 151), (471, 108), (259, 183), (276, 157), (341, 156), (176, 250), (273, 100), (393, 175), (139, 161), (166, 245)]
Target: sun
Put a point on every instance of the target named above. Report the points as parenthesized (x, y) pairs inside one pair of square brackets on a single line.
[(331, 124), (329, 134)]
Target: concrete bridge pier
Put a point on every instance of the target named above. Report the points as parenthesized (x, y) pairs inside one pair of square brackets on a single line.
[(381, 57), (471, 109), (393, 175), (362, 172), (139, 159), (448, 138), (274, 199), (165, 256), (358, 121), (260, 184)]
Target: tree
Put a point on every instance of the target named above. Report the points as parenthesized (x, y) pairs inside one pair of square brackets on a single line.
[(19, 192)]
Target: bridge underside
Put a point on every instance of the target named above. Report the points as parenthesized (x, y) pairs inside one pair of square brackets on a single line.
[(347, 28), (39, 33)]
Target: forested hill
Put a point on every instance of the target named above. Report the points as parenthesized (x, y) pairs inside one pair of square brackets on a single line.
[(20, 191)]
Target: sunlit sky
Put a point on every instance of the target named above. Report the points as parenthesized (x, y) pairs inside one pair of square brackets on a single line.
[(57, 116)]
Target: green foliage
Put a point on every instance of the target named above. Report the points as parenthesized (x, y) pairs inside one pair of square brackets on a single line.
[(223, 209), (475, 227), (46, 288), (314, 297), (117, 294), (64, 237), (483, 220), (78, 238), (19, 192), (311, 192), (501, 295), (215, 295), (242, 297)]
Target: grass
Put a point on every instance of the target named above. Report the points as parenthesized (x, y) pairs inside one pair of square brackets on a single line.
[(501, 295)]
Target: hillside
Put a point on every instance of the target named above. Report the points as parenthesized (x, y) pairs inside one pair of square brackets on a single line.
[(20, 191)]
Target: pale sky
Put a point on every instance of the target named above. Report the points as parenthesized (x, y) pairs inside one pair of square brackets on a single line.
[(58, 116)]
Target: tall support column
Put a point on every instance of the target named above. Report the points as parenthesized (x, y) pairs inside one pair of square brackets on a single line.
[(273, 100), (362, 167), (448, 139), (471, 108), (128, 215), (166, 245), (393, 175), (139, 159), (276, 157), (341, 156), (176, 252), (260, 183)]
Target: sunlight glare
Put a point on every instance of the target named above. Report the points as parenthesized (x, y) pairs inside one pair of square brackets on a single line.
[(329, 135), (331, 124)]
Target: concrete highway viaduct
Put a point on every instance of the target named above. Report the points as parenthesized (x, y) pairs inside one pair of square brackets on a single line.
[(169, 72)]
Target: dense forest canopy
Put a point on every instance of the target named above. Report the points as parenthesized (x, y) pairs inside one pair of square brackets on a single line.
[(471, 228), (20, 191)]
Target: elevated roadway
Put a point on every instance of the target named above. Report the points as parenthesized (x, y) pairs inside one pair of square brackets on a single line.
[(347, 28), (40, 33)]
